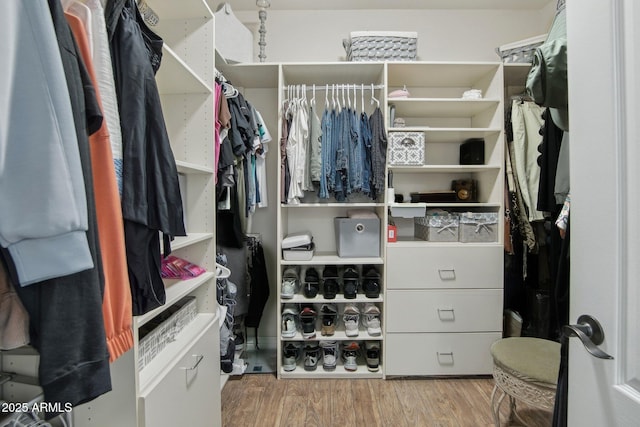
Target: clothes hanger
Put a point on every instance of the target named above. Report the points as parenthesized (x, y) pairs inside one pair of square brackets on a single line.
[(373, 98), (326, 96), (362, 96), (355, 98), (222, 272), (313, 96)]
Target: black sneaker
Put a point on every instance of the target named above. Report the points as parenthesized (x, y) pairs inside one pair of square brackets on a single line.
[(350, 282), (311, 356), (329, 316), (372, 350), (311, 283), (308, 321), (330, 287), (371, 282)]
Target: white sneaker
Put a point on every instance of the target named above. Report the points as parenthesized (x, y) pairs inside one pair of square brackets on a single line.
[(290, 283), (291, 354), (351, 319), (329, 355), (350, 356), (289, 322), (372, 320)]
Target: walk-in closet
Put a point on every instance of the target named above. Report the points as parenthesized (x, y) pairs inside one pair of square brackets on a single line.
[(279, 212)]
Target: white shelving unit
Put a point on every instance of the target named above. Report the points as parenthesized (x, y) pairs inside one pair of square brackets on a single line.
[(181, 384), (443, 301), (316, 216)]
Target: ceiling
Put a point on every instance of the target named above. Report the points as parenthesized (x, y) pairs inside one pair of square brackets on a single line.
[(250, 5)]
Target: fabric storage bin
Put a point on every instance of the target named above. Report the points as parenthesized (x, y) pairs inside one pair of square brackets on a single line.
[(520, 52), (479, 227), (437, 228), (406, 148), (357, 237), (381, 46)]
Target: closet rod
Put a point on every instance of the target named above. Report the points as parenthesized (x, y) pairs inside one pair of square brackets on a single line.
[(309, 88)]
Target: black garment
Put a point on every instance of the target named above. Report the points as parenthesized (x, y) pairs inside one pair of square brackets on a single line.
[(548, 161), (143, 247), (151, 194), (259, 287), (65, 314)]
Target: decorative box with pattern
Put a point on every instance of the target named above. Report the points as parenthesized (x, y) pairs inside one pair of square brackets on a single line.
[(406, 148)]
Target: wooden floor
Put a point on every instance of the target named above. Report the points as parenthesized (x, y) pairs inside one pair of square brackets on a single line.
[(261, 400)]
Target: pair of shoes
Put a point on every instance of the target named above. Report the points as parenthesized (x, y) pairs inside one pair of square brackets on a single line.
[(311, 283), (371, 320), (372, 351), (350, 282), (329, 317), (308, 321), (290, 356), (351, 320), (330, 285), (290, 319), (329, 355), (290, 283), (371, 281), (350, 351), (311, 356)]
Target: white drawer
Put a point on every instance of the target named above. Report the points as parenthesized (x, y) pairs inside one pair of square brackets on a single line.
[(439, 354), (444, 267), (462, 310), (189, 393)]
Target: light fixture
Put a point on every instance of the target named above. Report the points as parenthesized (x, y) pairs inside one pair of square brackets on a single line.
[(262, 15)]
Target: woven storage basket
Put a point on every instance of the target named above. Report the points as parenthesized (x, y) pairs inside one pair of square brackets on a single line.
[(406, 148), (520, 52), (381, 46)]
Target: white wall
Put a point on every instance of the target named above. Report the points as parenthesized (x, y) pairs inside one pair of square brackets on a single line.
[(304, 36), (443, 35)]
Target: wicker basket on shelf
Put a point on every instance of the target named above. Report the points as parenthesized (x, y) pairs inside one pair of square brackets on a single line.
[(381, 46)]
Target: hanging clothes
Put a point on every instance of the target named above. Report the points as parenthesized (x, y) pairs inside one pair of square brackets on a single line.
[(526, 118), (66, 323), (378, 153), (48, 148), (116, 303), (258, 286), (151, 200)]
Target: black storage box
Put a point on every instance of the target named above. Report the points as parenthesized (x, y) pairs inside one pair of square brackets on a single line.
[(472, 152)]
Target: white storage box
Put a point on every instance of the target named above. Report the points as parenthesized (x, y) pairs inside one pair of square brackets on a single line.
[(357, 237), (406, 148), (297, 239), (479, 227), (299, 253), (381, 46), (520, 52)]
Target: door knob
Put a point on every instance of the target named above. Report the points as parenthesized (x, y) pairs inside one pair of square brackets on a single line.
[(590, 333)]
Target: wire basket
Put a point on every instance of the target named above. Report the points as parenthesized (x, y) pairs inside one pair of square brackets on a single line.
[(381, 46), (162, 329)]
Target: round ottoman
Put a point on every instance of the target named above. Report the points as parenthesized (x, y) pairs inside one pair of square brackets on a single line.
[(525, 369)]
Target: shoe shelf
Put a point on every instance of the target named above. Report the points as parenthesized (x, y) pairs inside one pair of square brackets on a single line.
[(339, 335), (340, 372), (339, 299), (324, 258)]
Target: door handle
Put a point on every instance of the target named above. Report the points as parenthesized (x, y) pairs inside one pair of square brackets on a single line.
[(590, 333)]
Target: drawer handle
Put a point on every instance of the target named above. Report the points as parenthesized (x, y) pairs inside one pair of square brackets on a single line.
[(451, 316), (449, 356), (199, 358), (447, 273)]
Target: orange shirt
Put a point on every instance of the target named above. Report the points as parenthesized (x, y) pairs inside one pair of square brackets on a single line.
[(116, 304)]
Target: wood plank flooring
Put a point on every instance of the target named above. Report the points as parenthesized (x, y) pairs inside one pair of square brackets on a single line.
[(261, 400)]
